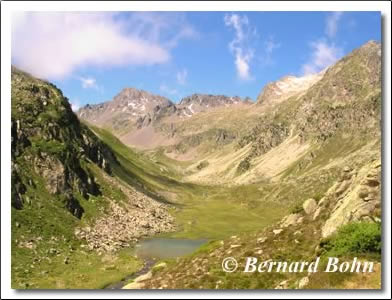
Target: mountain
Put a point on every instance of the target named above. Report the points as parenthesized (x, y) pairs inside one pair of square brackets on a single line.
[(293, 177), (199, 103), (136, 116), (131, 106), (69, 191), (315, 148), (286, 87), (49, 141)]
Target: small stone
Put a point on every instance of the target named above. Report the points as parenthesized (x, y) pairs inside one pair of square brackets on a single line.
[(282, 285), (277, 231), (261, 240), (363, 192), (303, 282)]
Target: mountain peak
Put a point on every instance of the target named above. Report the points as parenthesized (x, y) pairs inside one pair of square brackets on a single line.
[(287, 86), (201, 102)]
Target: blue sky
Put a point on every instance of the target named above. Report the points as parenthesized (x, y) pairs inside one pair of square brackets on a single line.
[(92, 56)]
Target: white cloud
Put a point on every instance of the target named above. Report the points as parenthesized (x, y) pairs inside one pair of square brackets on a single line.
[(322, 56), (269, 46), (52, 45), (88, 82), (324, 51), (332, 23), (167, 90), (182, 76), (239, 46)]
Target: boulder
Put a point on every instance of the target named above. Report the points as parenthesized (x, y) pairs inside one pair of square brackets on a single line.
[(310, 206)]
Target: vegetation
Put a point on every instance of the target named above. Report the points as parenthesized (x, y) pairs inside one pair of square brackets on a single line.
[(354, 239)]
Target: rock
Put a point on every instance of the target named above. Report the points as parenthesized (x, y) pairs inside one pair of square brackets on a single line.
[(342, 188), (133, 286), (303, 282), (261, 240), (161, 265), (310, 206), (316, 213), (66, 260), (373, 182), (235, 246), (290, 220), (363, 192), (282, 285), (277, 231), (259, 252), (143, 277)]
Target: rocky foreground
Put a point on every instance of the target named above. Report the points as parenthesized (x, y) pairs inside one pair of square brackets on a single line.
[(355, 196), (123, 224)]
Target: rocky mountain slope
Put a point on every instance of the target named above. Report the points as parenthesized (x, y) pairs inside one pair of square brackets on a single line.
[(196, 103), (344, 105), (66, 184), (49, 141), (298, 172), (136, 116), (286, 87), (307, 233), (319, 152), (131, 107)]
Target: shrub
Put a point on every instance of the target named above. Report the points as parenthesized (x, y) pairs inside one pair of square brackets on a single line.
[(243, 166), (354, 239), (202, 165)]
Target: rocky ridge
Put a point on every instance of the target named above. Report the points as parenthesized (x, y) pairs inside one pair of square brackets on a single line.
[(131, 106), (49, 141), (55, 155), (138, 108), (286, 87), (197, 103)]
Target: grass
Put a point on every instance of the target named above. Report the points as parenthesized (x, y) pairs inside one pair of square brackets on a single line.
[(50, 227), (201, 211), (211, 212), (354, 239)]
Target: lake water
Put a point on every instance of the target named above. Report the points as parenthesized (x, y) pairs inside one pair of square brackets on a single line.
[(162, 248)]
